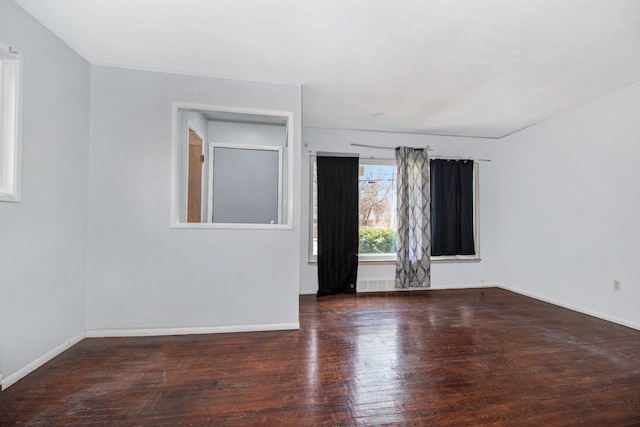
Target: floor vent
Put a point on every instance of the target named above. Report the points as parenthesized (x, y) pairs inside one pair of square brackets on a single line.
[(382, 285)]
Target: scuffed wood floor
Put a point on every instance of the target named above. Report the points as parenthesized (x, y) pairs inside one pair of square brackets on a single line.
[(441, 358)]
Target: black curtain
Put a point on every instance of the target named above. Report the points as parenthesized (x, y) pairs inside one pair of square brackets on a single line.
[(337, 224), (452, 207)]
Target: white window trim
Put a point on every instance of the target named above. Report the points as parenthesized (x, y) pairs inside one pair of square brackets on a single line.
[(311, 257), (391, 258), (11, 117), (176, 167)]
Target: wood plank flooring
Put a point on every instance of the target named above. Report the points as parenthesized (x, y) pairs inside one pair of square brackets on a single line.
[(440, 358)]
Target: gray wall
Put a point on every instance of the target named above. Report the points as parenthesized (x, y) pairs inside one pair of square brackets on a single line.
[(43, 238), (569, 204), (141, 273)]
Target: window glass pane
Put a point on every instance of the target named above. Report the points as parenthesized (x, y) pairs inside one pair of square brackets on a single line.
[(9, 125), (2, 125), (5, 187), (377, 208)]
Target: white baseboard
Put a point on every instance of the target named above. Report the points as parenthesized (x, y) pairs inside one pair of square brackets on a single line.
[(574, 308), (431, 288), (470, 286), (149, 332), (26, 370)]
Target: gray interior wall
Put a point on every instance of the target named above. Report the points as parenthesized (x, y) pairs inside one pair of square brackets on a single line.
[(569, 206), (143, 274), (42, 239), (247, 133)]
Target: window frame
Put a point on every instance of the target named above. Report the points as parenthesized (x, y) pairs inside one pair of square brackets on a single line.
[(391, 258), (386, 257), (11, 125), (476, 224), (178, 169)]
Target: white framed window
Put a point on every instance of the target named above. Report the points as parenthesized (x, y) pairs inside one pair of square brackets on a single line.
[(377, 210), (237, 171), (10, 124), (377, 213)]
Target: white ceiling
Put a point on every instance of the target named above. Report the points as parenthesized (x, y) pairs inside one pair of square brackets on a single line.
[(483, 68)]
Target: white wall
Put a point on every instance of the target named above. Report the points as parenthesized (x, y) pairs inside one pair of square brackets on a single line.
[(43, 238), (444, 275), (569, 208), (144, 275)]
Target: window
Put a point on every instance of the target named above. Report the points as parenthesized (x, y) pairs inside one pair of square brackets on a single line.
[(231, 168), (377, 212), (10, 93), (377, 209)]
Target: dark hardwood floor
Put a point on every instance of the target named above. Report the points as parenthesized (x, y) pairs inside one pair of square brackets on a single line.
[(441, 358)]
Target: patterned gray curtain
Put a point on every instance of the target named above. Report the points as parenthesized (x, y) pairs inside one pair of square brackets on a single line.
[(413, 263)]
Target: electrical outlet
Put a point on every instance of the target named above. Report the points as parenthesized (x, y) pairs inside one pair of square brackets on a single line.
[(616, 285)]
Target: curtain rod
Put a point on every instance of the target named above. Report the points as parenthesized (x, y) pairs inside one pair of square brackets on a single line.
[(428, 148)]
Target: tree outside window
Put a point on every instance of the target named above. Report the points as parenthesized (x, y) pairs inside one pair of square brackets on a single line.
[(377, 207)]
